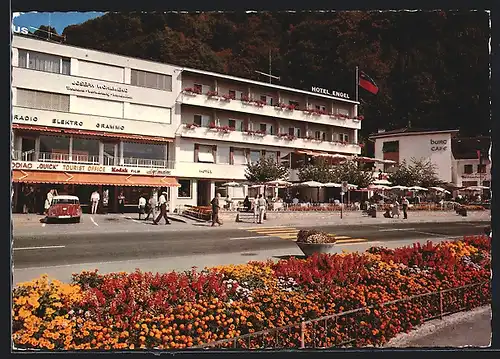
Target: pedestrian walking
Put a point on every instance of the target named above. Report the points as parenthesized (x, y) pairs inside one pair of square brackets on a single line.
[(94, 199), (262, 208), (163, 209), (395, 209), (121, 203), (48, 200), (255, 209), (215, 210), (153, 203), (405, 204), (142, 206)]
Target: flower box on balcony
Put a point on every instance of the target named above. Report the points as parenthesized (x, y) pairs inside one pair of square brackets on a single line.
[(227, 97), (191, 126), (309, 138), (212, 125), (320, 112), (280, 106), (307, 111), (286, 136), (212, 94), (290, 107), (255, 133), (259, 103), (191, 91), (245, 99)]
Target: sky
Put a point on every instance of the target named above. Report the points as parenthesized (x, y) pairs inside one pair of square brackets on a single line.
[(58, 20)]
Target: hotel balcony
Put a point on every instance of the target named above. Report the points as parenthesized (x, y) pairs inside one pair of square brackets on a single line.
[(50, 157), (258, 108), (223, 134)]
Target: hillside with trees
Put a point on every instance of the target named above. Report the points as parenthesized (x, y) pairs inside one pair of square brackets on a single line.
[(432, 68)]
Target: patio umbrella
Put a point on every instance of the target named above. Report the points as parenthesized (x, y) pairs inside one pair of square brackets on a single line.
[(230, 184), (417, 188), (382, 182), (437, 189), (476, 188), (279, 183), (400, 188), (311, 184), (331, 184)]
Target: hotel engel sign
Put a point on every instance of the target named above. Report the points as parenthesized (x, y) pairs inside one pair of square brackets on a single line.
[(70, 167), (330, 92)]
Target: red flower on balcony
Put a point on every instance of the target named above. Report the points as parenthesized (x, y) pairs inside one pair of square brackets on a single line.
[(212, 94), (228, 97), (320, 112), (361, 117), (245, 98), (212, 125), (191, 126), (286, 136), (255, 133), (259, 103), (281, 105), (290, 107), (192, 90)]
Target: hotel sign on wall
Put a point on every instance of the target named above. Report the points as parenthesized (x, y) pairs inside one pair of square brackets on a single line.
[(96, 88), (66, 167), (330, 93)]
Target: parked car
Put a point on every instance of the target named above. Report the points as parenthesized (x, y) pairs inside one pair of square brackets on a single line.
[(65, 207)]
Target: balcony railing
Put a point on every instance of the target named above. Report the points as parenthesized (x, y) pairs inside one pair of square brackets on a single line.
[(31, 156)]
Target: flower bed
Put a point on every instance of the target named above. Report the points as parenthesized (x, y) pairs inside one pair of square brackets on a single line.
[(418, 207), (181, 310)]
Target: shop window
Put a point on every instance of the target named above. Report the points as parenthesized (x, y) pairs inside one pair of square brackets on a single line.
[(151, 80), (54, 148), (205, 154), (468, 169), (85, 150), (42, 100), (184, 191), (481, 168), (148, 151), (44, 62)]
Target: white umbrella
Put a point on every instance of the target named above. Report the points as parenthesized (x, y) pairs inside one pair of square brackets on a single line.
[(279, 183), (310, 184), (417, 188), (378, 187), (230, 184), (382, 182), (401, 188), (437, 189), (331, 184), (476, 188)]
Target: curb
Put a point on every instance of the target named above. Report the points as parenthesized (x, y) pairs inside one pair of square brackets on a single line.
[(433, 326)]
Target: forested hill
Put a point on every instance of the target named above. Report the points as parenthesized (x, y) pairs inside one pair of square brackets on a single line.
[(432, 68)]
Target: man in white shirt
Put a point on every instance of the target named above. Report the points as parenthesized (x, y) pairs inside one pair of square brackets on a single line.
[(261, 202), (142, 206), (162, 201), (405, 204), (94, 198)]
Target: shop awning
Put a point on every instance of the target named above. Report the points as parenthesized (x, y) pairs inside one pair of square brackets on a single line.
[(90, 133), (92, 179)]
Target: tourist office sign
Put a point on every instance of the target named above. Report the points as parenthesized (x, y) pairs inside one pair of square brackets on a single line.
[(87, 168)]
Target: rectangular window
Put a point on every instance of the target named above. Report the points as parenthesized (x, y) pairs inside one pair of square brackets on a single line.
[(263, 127), (481, 168), (390, 146), (317, 135), (239, 157), (42, 100), (231, 123), (184, 191), (263, 98), (291, 131), (323, 136), (238, 125), (201, 120), (54, 148), (85, 150), (151, 80), (136, 150), (232, 94), (198, 88), (468, 169), (255, 156), (343, 137), (273, 155), (297, 132), (270, 130), (205, 154), (44, 62)]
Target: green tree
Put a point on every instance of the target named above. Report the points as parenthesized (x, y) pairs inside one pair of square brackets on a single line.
[(264, 170), (419, 172), (352, 172), (320, 170)]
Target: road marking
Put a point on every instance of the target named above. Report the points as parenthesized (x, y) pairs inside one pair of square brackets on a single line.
[(92, 219), (340, 237), (349, 241), (431, 234), (241, 238), (253, 228), (396, 229), (46, 247), (278, 231), (358, 243)]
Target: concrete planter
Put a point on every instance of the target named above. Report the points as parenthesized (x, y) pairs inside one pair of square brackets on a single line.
[(310, 248)]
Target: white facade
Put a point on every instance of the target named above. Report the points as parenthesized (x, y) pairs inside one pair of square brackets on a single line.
[(73, 91), (435, 146)]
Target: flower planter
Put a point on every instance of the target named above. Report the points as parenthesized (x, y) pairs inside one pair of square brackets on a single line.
[(310, 248)]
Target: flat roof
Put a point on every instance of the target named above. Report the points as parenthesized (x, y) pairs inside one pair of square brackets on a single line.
[(408, 132), (201, 72)]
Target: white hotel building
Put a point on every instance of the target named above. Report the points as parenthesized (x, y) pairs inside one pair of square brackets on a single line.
[(84, 120)]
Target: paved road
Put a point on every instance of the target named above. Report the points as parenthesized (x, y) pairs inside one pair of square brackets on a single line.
[(46, 247)]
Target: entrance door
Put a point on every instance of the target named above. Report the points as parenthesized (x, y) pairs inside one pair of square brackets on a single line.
[(203, 193)]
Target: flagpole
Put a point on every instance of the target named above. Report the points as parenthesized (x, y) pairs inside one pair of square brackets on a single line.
[(357, 83)]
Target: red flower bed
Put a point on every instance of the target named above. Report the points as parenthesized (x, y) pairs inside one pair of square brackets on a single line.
[(181, 310)]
